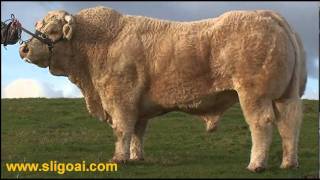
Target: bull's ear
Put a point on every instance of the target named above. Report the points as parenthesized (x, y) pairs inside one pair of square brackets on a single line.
[(67, 31), (68, 28)]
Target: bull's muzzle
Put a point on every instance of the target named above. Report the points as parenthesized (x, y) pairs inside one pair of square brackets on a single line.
[(23, 51)]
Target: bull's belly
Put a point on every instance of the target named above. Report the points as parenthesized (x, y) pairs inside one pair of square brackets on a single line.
[(213, 102)]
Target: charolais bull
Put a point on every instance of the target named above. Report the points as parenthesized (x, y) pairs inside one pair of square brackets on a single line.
[(132, 68)]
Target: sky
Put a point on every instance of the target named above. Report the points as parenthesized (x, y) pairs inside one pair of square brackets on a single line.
[(20, 79)]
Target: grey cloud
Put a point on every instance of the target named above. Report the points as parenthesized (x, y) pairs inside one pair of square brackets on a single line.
[(302, 16)]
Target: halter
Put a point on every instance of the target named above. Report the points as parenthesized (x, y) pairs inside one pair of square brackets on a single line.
[(38, 35)]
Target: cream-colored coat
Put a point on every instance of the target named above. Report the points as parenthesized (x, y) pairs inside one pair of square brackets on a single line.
[(132, 68)]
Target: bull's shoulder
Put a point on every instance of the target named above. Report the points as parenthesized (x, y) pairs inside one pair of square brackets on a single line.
[(97, 11), (127, 47)]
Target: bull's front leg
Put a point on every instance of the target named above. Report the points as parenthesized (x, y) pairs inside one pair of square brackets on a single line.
[(120, 91), (123, 127), (136, 145)]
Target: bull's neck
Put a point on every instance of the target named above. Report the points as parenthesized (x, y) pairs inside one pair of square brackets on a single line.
[(103, 31), (77, 71), (81, 76)]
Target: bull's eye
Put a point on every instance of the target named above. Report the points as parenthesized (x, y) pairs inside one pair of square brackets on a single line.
[(43, 36)]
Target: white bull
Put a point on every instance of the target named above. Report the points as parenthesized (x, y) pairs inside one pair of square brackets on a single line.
[(133, 68)]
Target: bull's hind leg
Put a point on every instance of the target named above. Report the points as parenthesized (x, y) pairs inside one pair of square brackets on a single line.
[(136, 146), (260, 116), (289, 117)]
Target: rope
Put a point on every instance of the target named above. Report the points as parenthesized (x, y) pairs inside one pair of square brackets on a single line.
[(11, 33)]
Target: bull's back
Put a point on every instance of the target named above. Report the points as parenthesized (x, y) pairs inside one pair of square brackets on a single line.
[(180, 69), (240, 50)]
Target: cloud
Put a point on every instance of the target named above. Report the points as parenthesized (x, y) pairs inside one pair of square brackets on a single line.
[(311, 94), (71, 91), (30, 88), (26, 88), (294, 12), (313, 67), (312, 89)]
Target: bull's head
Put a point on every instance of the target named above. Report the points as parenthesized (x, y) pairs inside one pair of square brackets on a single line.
[(57, 27)]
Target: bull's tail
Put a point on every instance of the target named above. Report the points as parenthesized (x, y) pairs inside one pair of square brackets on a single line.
[(303, 69)]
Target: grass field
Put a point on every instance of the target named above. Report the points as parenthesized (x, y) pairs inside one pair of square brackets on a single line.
[(176, 144)]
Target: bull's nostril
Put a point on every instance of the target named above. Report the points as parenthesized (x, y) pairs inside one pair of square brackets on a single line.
[(25, 50)]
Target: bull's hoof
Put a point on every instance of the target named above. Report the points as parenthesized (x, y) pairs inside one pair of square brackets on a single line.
[(136, 159), (287, 165), (210, 130), (256, 168), (118, 161)]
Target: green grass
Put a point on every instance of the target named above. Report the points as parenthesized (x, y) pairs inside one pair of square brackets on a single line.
[(176, 144)]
